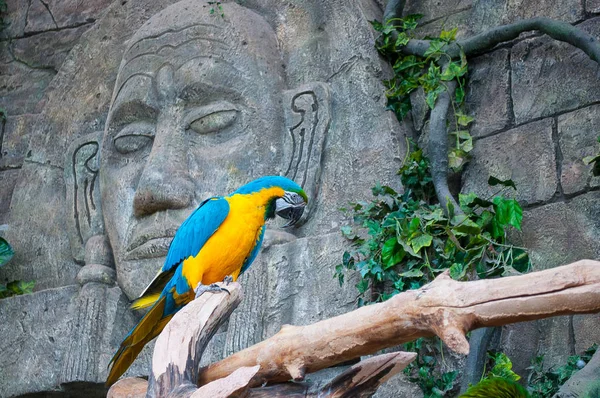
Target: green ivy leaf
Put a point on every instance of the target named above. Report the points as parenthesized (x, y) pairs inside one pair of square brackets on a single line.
[(459, 95), (410, 21), (448, 35), (457, 271), (463, 120), (432, 96), (402, 39), (26, 287), (6, 252), (508, 212), (493, 181), (362, 286), (413, 273), (421, 241), (435, 48)]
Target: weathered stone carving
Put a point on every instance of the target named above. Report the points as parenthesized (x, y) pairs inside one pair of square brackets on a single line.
[(308, 120), (83, 195), (196, 112)]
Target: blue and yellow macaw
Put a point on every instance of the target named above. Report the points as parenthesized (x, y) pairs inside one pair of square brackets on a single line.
[(219, 239)]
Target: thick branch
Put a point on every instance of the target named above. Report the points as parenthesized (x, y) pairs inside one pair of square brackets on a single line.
[(393, 9), (180, 346), (438, 149), (445, 308), (558, 30)]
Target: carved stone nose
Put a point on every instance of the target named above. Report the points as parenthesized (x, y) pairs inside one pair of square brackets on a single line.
[(160, 189)]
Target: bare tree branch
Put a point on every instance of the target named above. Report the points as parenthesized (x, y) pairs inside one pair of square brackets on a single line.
[(445, 308)]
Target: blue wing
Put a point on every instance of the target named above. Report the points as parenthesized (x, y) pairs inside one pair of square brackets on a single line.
[(254, 251), (196, 230), (188, 240)]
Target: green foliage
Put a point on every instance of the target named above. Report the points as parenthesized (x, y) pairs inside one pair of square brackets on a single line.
[(425, 370), (595, 160), (431, 73), (502, 368), (496, 387), (409, 240), (215, 6), (13, 288), (3, 9), (545, 383), (6, 252)]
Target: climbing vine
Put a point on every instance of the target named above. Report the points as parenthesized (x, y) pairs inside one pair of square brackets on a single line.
[(403, 240), (429, 73)]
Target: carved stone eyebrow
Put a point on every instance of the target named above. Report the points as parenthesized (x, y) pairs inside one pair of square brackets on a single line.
[(130, 111)]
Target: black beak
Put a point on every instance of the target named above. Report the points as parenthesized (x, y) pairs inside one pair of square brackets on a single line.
[(290, 206)]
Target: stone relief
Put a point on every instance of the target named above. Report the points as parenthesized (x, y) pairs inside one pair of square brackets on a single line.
[(83, 194), (197, 110)]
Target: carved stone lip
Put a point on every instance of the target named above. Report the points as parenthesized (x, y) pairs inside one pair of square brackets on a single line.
[(157, 247), (150, 242)]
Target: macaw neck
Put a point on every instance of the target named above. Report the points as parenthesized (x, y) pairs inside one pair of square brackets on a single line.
[(262, 201)]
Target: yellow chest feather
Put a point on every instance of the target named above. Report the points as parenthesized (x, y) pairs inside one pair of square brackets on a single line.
[(227, 249)]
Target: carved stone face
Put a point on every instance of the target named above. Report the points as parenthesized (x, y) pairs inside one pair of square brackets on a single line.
[(195, 112)]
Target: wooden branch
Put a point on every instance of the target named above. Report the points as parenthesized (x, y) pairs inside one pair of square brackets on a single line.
[(445, 308), (180, 346), (360, 380)]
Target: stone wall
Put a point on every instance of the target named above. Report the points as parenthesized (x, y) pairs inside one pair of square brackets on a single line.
[(536, 107), (535, 102)]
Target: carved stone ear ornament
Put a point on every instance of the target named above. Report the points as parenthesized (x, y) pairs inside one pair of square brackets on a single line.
[(85, 227), (307, 117)]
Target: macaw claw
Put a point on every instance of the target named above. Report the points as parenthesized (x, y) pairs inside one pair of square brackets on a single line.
[(228, 279), (201, 289)]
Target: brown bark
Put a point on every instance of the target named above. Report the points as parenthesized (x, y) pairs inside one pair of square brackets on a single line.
[(445, 308)]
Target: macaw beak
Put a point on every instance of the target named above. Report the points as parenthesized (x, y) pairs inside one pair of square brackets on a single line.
[(290, 206)]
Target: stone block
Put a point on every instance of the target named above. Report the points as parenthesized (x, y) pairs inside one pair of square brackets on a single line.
[(592, 6), (74, 12), (561, 233), (15, 139), (519, 341), (89, 321), (39, 18), (578, 133), (8, 180), (434, 9), (16, 16), (555, 341), (550, 77), (22, 88), (37, 230), (488, 92), (586, 330), (524, 154), (47, 49)]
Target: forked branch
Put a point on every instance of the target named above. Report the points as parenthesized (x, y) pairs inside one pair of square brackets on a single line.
[(445, 308)]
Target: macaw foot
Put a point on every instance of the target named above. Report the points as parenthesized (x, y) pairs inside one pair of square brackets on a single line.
[(228, 279), (200, 289)]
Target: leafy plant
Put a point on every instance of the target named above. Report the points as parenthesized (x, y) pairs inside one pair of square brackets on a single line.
[(409, 240), (6, 252), (216, 6), (425, 370), (545, 383), (13, 288), (595, 160), (431, 73)]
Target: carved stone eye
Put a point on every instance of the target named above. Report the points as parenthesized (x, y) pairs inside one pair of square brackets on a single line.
[(213, 122), (131, 142)]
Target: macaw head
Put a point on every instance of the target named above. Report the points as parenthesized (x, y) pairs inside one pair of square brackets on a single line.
[(289, 205)]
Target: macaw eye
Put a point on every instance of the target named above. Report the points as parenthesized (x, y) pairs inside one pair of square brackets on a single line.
[(213, 122), (134, 137)]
